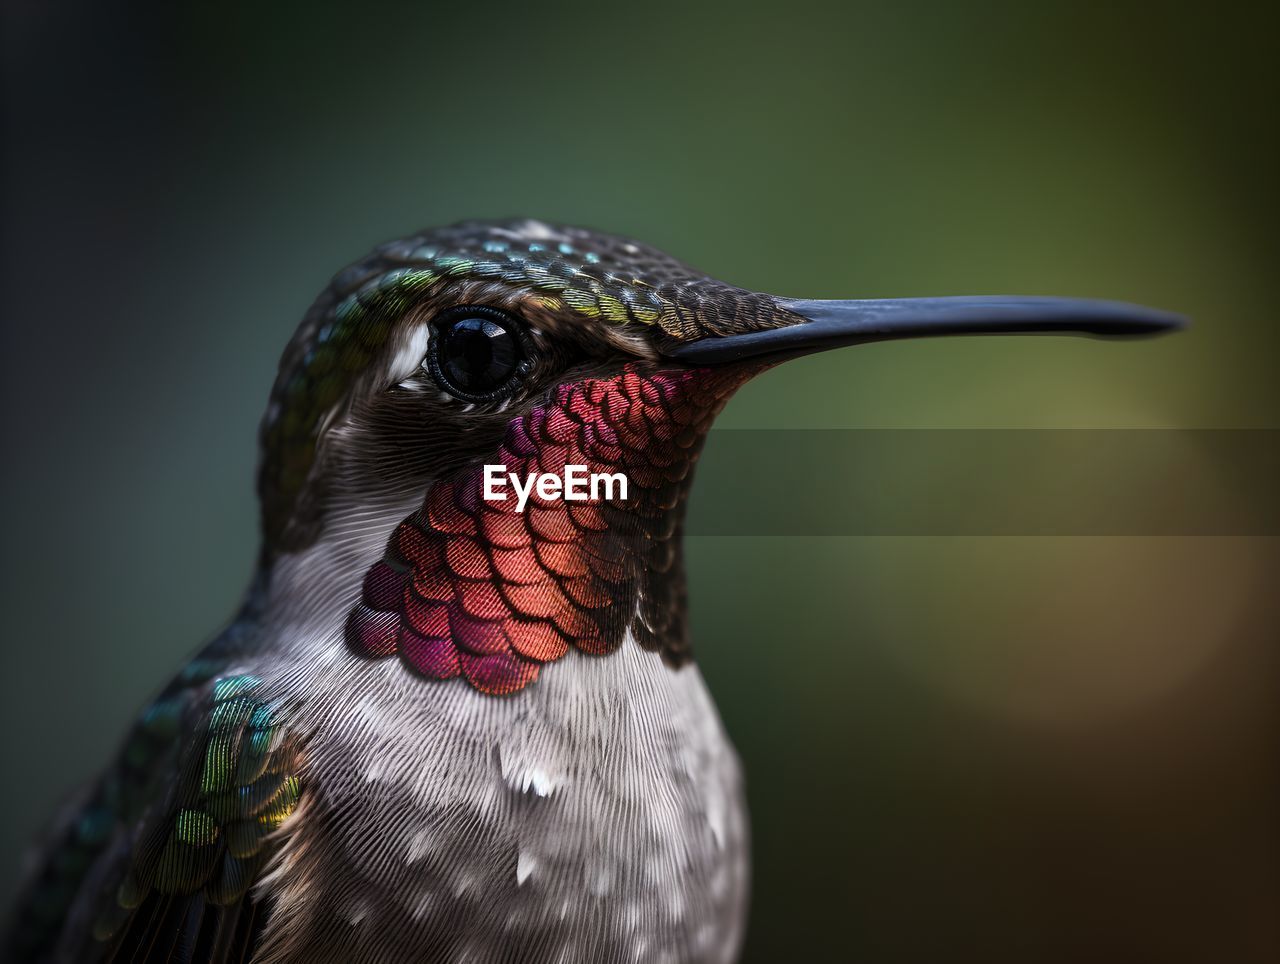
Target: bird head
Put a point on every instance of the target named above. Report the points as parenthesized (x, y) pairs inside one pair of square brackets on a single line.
[(536, 347)]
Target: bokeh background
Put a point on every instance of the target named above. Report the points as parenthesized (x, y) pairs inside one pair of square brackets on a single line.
[(959, 748)]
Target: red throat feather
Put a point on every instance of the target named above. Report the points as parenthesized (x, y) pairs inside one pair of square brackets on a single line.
[(475, 588)]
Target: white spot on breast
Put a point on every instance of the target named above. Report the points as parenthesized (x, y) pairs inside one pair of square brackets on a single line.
[(539, 783), (599, 880), (426, 904), (421, 844), (525, 865), (465, 883), (530, 779)]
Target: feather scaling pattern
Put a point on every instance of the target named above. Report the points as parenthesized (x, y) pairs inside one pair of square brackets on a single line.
[(477, 588)]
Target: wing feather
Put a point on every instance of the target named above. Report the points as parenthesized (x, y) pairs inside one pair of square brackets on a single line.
[(159, 864)]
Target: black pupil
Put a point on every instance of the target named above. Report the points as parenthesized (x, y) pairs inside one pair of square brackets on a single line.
[(478, 355)]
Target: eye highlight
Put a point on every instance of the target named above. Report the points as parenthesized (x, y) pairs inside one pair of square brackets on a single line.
[(478, 353)]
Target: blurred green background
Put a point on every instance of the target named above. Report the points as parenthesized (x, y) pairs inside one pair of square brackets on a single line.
[(959, 749)]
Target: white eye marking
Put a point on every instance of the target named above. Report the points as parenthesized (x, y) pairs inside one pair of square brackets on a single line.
[(409, 355)]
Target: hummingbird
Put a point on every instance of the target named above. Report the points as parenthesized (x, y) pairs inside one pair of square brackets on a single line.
[(446, 726)]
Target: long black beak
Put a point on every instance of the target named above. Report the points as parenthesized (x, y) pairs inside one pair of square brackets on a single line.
[(831, 324)]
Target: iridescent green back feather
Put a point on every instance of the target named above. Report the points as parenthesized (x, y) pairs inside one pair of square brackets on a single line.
[(176, 833)]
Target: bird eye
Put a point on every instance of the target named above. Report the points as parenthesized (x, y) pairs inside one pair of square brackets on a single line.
[(477, 353)]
